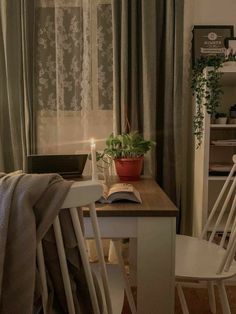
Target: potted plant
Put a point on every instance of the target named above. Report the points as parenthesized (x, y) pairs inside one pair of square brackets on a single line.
[(127, 150), (220, 118), (230, 57), (206, 89)]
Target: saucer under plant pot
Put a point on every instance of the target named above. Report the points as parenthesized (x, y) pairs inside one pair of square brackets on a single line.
[(127, 150)]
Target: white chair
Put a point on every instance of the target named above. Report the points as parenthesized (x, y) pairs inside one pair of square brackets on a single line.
[(84, 194), (200, 259)]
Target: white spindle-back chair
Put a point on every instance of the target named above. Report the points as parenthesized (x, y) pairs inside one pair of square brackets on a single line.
[(80, 194), (202, 259)]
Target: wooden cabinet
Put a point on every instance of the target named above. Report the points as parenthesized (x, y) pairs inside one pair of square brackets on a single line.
[(214, 157)]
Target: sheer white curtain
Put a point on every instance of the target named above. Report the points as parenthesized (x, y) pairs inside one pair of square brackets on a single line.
[(73, 70), (74, 77)]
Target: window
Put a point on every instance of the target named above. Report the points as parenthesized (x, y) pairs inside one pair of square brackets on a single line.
[(74, 49), (73, 70)]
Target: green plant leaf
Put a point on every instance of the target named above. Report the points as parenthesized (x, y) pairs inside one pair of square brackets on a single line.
[(127, 145), (207, 91)]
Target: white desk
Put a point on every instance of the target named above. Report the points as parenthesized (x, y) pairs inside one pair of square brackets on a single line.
[(152, 224)]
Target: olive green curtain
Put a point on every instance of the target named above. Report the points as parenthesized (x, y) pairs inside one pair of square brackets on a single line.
[(144, 79), (148, 79), (136, 29), (16, 83)]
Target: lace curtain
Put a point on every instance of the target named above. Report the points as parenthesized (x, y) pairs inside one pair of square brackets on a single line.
[(73, 71)]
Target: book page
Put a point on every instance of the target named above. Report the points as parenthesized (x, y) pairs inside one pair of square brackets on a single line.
[(123, 191), (119, 192), (120, 187), (137, 195)]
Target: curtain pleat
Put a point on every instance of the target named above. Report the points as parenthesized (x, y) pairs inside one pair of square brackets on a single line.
[(150, 76), (170, 102), (143, 76), (185, 145), (16, 84), (148, 89), (134, 83), (28, 54)]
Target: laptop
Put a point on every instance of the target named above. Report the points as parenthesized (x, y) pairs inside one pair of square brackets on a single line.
[(68, 166)]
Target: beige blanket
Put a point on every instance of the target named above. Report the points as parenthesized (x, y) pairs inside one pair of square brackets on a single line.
[(28, 206)]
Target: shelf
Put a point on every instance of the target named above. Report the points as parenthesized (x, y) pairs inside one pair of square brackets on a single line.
[(218, 146), (221, 225), (228, 69), (218, 178), (224, 69), (223, 145), (223, 126), (224, 142), (229, 77)]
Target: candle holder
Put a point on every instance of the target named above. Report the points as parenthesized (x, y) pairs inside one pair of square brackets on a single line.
[(94, 160)]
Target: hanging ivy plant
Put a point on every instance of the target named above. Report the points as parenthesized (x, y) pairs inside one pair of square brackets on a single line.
[(207, 91)]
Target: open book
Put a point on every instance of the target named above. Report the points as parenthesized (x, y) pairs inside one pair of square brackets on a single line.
[(119, 192)]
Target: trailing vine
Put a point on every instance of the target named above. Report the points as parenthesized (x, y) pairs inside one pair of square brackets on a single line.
[(207, 91)]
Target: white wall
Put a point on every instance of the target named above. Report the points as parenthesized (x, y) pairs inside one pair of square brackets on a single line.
[(215, 12)]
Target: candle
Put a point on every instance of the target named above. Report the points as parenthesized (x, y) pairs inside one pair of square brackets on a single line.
[(94, 161)]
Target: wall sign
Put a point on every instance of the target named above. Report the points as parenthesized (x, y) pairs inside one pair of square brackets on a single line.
[(209, 40)]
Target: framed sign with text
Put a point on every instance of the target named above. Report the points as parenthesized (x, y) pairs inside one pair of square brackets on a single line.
[(209, 40)]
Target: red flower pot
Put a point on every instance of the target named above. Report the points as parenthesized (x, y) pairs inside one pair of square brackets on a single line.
[(129, 169)]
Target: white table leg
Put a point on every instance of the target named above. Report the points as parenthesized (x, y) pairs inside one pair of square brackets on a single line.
[(155, 265)]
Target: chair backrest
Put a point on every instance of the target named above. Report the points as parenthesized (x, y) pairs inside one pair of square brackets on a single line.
[(80, 194), (223, 214)]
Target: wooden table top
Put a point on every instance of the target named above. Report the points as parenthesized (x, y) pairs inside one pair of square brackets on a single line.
[(155, 203)]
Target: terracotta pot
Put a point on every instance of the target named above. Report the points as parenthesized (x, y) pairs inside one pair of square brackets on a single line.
[(129, 169)]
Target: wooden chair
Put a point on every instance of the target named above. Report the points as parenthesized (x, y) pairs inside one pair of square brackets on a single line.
[(202, 260), (83, 194)]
